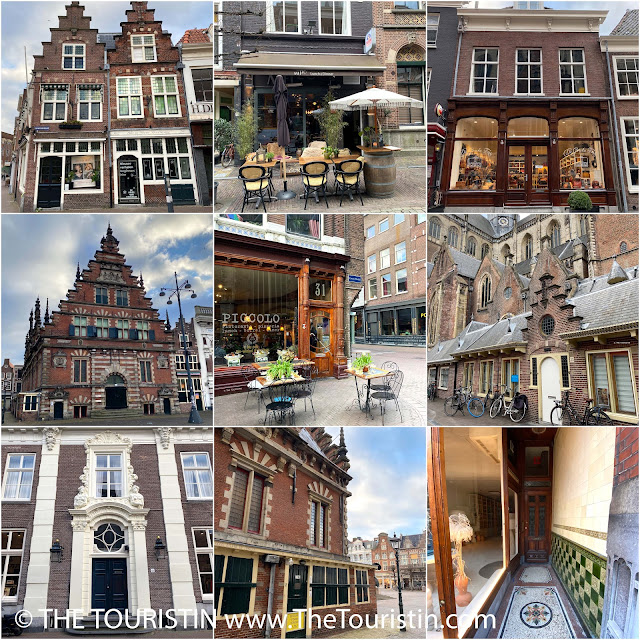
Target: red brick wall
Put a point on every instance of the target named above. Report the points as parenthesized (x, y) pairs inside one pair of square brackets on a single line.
[(626, 461), (609, 232)]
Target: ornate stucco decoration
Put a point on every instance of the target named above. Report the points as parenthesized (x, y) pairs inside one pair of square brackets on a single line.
[(164, 433), (50, 436), (109, 273)]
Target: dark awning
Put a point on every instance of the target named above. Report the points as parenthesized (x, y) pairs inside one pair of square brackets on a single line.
[(309, 64)]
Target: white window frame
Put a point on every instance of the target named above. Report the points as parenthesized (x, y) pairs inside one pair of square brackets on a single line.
[(484, 78), (529, 64), (55, 101), (369, 269), (203, 550), (347, 9), (369, 281), (19, 470), (380, 224), (395, 251), (148, 368), (616, 71), (572, 64), (165, 95), (180, 362), (129, 95), (385, 258), (89, 102), (271, 20), (447, 368), (401, 293), (142, 46), (73, 56), (383, 295), (24, 401), (428, 79), (12, 552), (108, 470), (435, 42), (206, 467), (631, 188)]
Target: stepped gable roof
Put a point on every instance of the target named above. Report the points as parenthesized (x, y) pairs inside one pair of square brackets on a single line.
[(467, 265), (628, 26)]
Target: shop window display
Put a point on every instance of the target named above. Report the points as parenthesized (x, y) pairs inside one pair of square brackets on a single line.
[(580, 153), (254, 310), (475, 154)]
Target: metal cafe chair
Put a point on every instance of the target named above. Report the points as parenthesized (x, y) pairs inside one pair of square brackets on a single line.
[(253, 386), (304, 390), (347, 178), (255, 182), (280, 405), (389, 365), (314, 179), (395, 383)]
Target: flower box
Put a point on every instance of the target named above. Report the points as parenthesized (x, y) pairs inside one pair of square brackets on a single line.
[(65, 125)]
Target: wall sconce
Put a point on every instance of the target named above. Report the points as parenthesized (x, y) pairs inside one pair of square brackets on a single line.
[(56, 551), (160, 549)]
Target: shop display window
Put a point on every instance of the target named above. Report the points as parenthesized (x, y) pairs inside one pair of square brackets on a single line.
[(580, 153), (528, 128), (475, 154), (82, 167), (254, 310)]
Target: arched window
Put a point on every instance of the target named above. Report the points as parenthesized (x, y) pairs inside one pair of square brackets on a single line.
[(410, 61), (452, 237), (528, 128), (506, 252), (623, 247), (434, 228), (433, 320), (527, 245), (555, 234), (583, 225), (471, 247), (486, 291), (485, 250)]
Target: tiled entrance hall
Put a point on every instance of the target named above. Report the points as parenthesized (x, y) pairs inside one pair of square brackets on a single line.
[(537, 606)]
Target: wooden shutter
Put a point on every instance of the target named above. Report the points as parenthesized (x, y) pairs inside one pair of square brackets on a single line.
[(318, 586), (113, 332), (72, 330), (236, 510), (255, 506), (237, 585), (133, 334)]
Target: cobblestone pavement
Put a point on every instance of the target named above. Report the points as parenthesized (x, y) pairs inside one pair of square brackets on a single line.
[(410, 194), (413, 601), (335, 401), (436, 417), (176, 419)]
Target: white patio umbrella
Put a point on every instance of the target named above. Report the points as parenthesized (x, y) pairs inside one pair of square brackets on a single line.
[(374, 97)]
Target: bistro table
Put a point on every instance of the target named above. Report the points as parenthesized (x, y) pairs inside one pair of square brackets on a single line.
[(372, 374), (263, 366), (379, 170), (285, 399)]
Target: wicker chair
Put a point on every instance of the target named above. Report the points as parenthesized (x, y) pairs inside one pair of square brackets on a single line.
[(314, 180), (347, 176), (255, 182)]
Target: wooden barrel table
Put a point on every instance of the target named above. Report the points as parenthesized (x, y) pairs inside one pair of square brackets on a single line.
[(379, 172)]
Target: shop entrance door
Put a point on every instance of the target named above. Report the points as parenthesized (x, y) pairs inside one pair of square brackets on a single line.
[(528, 173), (50, 183), (321, 341), (128, 180), (536, 525), (296, 600)]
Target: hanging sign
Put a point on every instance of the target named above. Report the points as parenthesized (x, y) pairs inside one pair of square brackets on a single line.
[(370, 40)]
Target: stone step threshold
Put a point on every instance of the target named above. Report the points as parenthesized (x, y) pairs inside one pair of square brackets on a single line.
[(89, 624)]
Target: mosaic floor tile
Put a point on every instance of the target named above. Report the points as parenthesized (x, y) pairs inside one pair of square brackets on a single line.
[(535, 574), (536, 612)]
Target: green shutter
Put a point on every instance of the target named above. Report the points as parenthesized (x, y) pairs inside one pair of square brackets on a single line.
[(237, 585), (218, 569)]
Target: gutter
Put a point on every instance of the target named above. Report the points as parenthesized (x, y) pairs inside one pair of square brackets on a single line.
[(112, 184), (599, 331)]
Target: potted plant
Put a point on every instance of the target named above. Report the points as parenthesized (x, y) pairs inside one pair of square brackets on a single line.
[(331, 124), (247, 130), (580, 201), (460, 530), (71, 124), (95, 176), (70, 178), (280, 370), (270, 156), (367, 135), (363, 362)]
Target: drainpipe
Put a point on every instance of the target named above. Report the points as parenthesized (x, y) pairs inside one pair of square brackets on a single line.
[(107, 66), (272, 579), (455, 74), (615, 129)]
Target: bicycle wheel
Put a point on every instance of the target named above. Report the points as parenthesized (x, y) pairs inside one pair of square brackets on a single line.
[(475, 406), (496, 405), (598, 416), (558, 415), (450, 406), (517, 414), (226, 159)]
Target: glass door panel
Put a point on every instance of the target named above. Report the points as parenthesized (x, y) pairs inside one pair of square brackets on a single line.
[(539, 168), (517, 170)]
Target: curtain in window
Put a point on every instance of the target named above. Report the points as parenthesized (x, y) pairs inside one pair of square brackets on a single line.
[(191, 483), (600, 380), (624, 389), (25, 484), (11, 488)]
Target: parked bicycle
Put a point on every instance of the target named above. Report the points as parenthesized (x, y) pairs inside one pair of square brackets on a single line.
[(431, 391), (565, 411), (477, 406), (228, 155), (457, 401), (515, 409)]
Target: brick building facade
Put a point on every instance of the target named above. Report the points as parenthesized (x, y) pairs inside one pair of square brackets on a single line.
[(562, 319), (395, 278), (280, 512), (150, 131), (195, 365), (383, 554), (109, 527), (401, 47), (104, 350)]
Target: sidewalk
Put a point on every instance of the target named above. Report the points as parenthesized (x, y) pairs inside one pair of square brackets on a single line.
[(436, 417)]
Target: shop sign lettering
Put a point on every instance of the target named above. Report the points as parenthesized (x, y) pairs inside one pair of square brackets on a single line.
[(588, 150), (234, 318), (306, 72)]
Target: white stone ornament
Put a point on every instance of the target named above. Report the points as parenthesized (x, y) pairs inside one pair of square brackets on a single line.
[(50, 436)]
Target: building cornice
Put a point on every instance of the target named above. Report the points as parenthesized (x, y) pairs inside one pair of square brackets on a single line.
[(619, 44), (532, 20)]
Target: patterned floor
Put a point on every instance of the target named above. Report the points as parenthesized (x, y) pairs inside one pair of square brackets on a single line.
[(535, 574)]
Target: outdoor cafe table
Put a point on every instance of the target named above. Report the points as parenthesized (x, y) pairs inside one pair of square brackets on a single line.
[(303, 161), (287, 382), (372, 374), (263, 366)]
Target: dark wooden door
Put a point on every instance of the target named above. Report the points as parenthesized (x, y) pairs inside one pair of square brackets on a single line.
[(297, 597), (58, 410), (109, 584), (50, 182), (167, 406), (116, 397), (321, 341), (537, 525), (528, 173)]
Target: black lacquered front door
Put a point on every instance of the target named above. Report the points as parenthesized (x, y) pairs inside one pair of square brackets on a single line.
[(129, 184), (109, 584), (50, 182), (116, 397), (297, 599)]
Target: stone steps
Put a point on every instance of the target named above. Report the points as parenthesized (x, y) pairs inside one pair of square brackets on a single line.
[(114, 414), (89, 624)]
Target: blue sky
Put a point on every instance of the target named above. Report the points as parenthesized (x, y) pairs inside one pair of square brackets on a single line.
[(389, 486), (19, 28), (40, 255), (616, 9)]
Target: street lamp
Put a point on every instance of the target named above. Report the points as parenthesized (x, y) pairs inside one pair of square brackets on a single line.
[(194, 416), (395, 543)]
